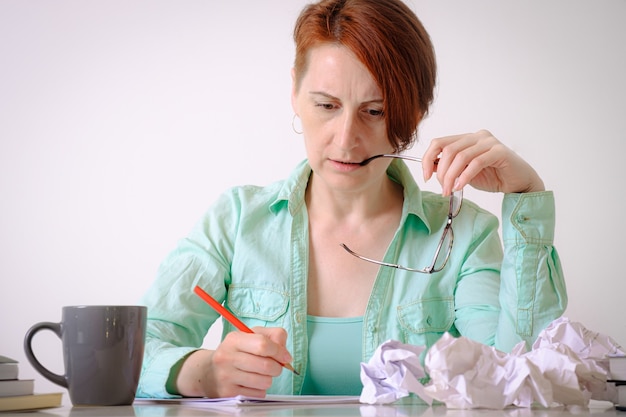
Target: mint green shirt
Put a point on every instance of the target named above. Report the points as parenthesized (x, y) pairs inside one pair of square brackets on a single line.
[(250, 251)]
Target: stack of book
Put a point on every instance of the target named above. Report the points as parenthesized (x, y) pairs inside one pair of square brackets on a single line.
[(617, 376), (19, 394)]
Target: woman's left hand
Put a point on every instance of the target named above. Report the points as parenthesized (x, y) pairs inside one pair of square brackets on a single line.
[(480, 160)]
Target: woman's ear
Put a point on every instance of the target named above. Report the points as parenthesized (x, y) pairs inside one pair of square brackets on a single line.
[(294, 92)]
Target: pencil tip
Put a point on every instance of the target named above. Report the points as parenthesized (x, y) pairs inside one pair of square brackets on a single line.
[(290, 367)]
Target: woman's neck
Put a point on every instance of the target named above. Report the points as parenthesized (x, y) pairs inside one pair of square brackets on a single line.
[(326, 204)]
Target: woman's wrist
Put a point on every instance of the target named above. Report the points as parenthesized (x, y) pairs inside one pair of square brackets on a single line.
[(188, 377)]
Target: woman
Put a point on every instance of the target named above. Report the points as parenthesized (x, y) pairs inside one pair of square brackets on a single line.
[(363, 80)]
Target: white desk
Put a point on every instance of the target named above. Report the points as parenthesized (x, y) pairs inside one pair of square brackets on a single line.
[(599, 409)]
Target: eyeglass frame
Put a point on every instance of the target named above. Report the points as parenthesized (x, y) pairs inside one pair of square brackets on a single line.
[(458, 194)]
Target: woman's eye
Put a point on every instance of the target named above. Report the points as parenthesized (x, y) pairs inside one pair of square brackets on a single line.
[(325, 106), (375, 112)]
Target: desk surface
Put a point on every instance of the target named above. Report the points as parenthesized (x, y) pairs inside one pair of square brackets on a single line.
[(345, 410)]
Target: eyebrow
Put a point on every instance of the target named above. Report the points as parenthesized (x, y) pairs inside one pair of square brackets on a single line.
[(330, 96)]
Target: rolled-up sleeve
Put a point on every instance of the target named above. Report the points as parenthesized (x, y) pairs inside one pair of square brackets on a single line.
[(178, 320)]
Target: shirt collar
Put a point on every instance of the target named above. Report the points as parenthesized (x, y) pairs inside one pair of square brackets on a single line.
[(294, 187)]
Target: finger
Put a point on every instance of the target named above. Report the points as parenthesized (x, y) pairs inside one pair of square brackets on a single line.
[(463, 164), (458, 153), (277, 334), (254, 372), (431, 158), (238, 385), (276, 343), (260, 365), (270, 356), (237, 382), (234, 370), (234, 346)]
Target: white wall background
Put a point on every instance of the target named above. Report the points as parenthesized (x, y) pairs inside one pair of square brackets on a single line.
[(121, 121)]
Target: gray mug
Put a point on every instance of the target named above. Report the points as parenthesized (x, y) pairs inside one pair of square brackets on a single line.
[(102, 352)]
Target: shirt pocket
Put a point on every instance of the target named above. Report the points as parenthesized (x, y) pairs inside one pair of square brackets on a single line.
[(424, 321), (258, 306)]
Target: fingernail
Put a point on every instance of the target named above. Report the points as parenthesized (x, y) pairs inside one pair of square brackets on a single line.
[(455, 187)]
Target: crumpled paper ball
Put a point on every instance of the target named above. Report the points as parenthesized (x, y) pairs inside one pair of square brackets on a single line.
[(566, 366), (392, 373)]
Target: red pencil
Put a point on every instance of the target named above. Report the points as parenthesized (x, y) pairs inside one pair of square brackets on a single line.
[(232, 319)]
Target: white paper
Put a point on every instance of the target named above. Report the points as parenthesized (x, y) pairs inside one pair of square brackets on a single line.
[(566, 366), (393, 373), (242, 400), (590, 347), (585, 343)]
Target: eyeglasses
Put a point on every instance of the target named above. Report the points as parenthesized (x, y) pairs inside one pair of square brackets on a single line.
[(444, 248)]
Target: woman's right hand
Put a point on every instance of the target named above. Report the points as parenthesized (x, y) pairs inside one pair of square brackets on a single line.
[(480, 160), (243, 364)]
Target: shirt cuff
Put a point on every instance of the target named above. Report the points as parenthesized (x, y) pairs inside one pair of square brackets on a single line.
[(530, 216), (153, 381)]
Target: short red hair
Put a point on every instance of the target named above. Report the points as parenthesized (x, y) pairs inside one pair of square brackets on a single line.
[(388, 38)]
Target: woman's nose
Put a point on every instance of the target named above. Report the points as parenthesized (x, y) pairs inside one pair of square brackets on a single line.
[(346, 136)]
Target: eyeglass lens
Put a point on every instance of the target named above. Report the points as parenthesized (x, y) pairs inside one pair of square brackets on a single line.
[(445, 244)]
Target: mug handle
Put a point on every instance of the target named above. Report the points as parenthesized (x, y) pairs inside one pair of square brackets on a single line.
[(51, 376)]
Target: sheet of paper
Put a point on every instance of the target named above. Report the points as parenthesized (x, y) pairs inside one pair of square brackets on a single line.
[(242, 400)]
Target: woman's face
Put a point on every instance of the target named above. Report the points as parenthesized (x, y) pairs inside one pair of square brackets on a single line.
[(341, 109)]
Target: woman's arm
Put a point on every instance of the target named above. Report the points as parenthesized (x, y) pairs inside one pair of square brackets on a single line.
[(532, 289)]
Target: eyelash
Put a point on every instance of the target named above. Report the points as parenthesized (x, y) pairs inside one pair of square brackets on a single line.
[(370, 112)]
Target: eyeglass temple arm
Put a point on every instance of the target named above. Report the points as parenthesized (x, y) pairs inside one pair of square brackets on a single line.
[(353, 253)]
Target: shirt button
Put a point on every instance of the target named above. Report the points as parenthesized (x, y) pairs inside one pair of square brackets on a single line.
[(521, 218)]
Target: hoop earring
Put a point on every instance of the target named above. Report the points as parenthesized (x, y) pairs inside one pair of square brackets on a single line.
[(293, 125)]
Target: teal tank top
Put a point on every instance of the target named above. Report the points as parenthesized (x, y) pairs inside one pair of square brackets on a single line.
[(334, 362)]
